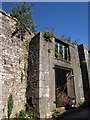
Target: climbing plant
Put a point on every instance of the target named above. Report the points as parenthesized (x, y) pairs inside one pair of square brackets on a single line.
[(9, 105), (25, 21), (22, 114)]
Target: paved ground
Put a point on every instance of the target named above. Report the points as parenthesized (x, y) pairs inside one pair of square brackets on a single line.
[(76, 114)]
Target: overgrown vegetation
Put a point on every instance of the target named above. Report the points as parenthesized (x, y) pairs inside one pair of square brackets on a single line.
[(83, 104), (25, 22), (27, 44), (22, 114), (55, 114), (49, 34), (31, 115), (68, 39), (9, 105), (59, 101), (83, 62)]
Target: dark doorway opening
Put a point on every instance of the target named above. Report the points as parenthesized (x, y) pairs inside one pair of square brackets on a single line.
[(64, 81)]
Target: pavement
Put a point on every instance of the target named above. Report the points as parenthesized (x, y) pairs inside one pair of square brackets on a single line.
[(76, 113)]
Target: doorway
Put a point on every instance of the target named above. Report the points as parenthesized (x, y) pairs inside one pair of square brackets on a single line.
[(64, 83)]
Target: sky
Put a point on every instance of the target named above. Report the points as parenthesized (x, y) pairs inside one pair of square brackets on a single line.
[(69, 18)]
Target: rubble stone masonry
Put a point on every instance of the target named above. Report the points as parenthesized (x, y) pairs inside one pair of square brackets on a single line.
[(13, 62)]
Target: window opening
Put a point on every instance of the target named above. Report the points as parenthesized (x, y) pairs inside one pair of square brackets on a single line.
[(62, 51)]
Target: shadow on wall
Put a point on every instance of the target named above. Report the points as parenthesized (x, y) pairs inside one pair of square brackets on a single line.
[(84, 71), (32, 90)]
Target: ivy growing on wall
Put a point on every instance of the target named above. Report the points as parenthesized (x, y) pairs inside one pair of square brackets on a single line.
[(27, 44), (22, 114), (9, 105)]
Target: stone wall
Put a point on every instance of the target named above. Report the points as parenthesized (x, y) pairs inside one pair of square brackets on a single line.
[(33, 76), (43, 74), (46, 78), (78, 84), (84, 64), (13, 65)]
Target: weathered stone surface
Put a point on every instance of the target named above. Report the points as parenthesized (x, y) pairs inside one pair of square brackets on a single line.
[(13, 56), (45, 77), (85, 68)]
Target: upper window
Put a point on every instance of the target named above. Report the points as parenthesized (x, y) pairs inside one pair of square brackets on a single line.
[(62, 51)]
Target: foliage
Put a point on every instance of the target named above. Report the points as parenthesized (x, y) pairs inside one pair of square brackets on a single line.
[(21, 115), (59, 54), (75, 42), (10, 105), (59, 101), (82, 104), (25, 21), (49, 33), (27, 44), (55, 114), (68, 39), (63, 36), (31, 115), (83, 62)]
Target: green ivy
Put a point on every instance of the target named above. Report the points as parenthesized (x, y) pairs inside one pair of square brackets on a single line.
[(22, 114), (27, 44), (31, 115), (9, 105)]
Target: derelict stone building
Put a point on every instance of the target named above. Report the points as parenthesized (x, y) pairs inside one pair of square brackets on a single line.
[(51, 65)]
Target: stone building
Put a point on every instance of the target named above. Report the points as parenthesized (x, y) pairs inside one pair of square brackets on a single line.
[(52, 64)]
